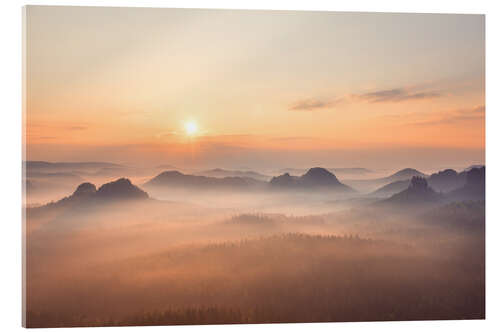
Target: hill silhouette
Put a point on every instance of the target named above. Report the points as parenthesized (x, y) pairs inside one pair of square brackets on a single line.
[(392, 188), (338, 171), (442, 181), (403, 174), (417, 193), (314, 178), (446, 180), (119, 190), (474, 188), (178, 179), (87, 193), (284, 180), (374, 184), (474, 166), (319, 177), (85, 190)]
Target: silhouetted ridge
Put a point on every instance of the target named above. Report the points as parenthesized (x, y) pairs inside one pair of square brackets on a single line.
[(476, 177), (86, 193), (121, 189), (314, 178), (85, 189), (319, 177), (392, 188), (475, 166), (180, 180), (447, 180), (283, 180), (445, 173), (442, 181), (403, 174), (406, 172), (170, 174), (418, 192), (474, 188)]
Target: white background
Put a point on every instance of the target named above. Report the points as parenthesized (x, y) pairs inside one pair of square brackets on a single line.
[(10, 157)]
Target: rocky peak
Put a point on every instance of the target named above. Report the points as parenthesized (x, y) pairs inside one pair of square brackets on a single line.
[(85, 189)]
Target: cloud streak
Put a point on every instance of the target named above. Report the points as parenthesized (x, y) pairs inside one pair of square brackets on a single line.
[(380, 96), (313, 104), (395, 95)]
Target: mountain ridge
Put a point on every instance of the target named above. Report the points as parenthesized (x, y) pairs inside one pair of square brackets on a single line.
[(177, 179), (314, 178), (121, 189)]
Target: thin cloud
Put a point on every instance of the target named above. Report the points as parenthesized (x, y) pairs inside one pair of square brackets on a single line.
[(395, 95), (313, 104), (380, 96)]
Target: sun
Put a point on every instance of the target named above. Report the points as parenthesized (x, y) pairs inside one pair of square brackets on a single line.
[(191, 128)]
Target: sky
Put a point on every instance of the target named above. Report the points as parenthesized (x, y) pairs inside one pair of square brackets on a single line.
[(255, 89)]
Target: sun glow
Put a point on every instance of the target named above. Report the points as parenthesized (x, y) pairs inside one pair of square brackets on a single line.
[(191, 128)]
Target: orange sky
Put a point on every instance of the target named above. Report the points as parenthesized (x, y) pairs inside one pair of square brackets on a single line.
[(264, 88)]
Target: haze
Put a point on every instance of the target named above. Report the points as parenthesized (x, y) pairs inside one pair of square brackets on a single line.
[(222, 166), (264, 88)]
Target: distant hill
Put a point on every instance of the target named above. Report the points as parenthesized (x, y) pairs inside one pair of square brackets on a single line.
[(39, 182), (314, 178), (87, 193), (338, 171), (284, 180), (176, 179), (442, 181), (58, 166), (87, 170), (222, 173), (120, 189), (474, 187), (446, 180), (404, 174), (51, 180), (392, 188), (370, 185), (417, 193), (54, 175), (318, 177), (59, 170), (475, 166)]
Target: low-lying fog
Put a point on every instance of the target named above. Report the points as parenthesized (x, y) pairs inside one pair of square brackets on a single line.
[(187, 256)]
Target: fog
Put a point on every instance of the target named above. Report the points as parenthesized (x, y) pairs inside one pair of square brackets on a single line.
[(198, 256)]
